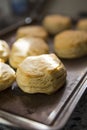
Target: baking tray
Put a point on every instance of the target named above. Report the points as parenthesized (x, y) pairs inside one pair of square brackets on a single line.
[(40, 111)]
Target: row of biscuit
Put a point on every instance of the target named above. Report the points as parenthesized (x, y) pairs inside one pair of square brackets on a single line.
[(35, 74), (38, 71), (57, 23), (53, 24)]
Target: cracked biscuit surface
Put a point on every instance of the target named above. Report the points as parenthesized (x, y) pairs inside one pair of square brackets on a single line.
[(41, 74)]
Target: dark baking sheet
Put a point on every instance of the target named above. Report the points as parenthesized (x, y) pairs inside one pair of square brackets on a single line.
[(45, 111)]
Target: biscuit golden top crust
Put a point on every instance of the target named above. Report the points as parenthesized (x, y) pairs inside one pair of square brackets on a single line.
[(25, 47), (4, 50), (57, 18), (82, 24), (5, 71), (7, 76), (56, 23), (71, 44), (29, 46), (41, 74), (45, 64), (32, 31), (71, 37)]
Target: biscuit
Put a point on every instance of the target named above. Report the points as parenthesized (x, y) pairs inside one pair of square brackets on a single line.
[(32, 31), (7, 76), (25, 47), (41, 74), (71, 44), (82, 24), (56, 23), (4, 50)]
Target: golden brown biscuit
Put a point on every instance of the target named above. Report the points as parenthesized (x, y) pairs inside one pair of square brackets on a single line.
[(7, 76), (41, 74), (71, 44), (32, 31), (25, 47), (82, 25), (4, 50), (56, 23)]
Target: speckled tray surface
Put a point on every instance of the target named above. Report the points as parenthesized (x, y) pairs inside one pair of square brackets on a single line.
[(39, 111)]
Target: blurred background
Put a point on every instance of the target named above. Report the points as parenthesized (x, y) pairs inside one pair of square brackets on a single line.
[(69, 7), (12, 10)]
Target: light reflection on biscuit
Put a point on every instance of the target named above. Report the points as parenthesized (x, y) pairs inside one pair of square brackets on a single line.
[(4, 50), (25, 47)]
